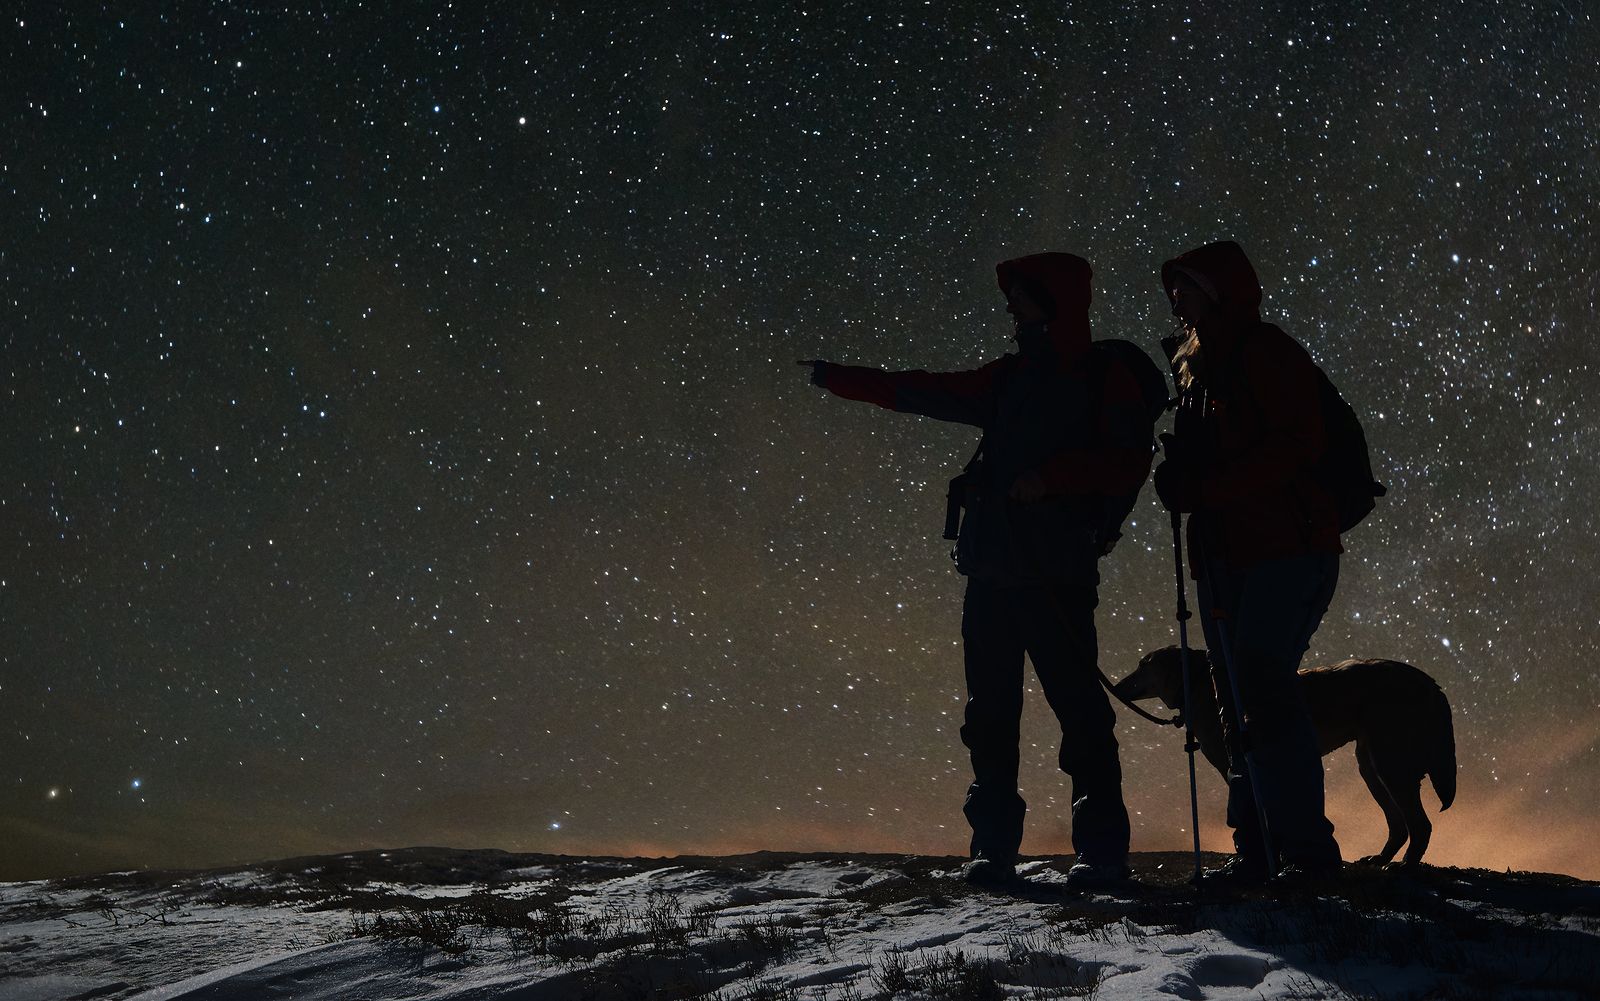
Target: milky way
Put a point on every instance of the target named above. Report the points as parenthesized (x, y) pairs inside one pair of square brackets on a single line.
[(405, 443)]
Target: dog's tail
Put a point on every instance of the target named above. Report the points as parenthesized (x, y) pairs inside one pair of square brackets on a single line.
[(1442, 755)]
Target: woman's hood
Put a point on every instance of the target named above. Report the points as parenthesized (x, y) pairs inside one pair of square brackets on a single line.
[(1225, 273)]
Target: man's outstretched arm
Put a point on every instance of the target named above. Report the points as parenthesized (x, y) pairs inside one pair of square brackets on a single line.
[(961, 397)]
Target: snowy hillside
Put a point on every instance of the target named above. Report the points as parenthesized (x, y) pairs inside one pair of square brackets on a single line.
[(436, 923)]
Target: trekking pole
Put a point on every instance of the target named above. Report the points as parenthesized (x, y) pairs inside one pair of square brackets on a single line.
[(1240, 728), (1189, 743)]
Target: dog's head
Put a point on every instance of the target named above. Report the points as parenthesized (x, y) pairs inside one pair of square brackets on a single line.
[(1160, 676)]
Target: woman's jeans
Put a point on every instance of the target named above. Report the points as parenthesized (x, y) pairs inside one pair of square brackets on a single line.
[(1267, 613)]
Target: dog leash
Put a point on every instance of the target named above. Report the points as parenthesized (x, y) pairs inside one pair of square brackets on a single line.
[(1105, 682), (1176, 720)]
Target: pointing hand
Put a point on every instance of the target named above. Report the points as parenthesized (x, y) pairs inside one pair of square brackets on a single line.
[(817, 365)]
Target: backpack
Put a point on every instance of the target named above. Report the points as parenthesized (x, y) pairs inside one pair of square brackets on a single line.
[(1345, 468), (1115, 507), (1153, 392)]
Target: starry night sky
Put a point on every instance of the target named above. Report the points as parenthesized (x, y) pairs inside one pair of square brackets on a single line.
[(404, 442)]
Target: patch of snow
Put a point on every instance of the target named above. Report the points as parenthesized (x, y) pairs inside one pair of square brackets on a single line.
[(424, 892), (801, 927)]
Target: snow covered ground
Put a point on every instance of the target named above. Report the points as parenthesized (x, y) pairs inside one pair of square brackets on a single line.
[(439, 923)]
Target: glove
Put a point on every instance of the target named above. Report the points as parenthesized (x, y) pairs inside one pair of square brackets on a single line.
[(1178, 486), (819, 367)]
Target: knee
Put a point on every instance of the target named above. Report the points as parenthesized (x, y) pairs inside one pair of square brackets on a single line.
[(988, 723), (1270, 691), (1088, 761), (1089, 740), (994, 709), (1281, 726)]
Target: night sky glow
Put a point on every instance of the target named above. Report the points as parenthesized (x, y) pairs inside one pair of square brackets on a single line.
[(404, 442)]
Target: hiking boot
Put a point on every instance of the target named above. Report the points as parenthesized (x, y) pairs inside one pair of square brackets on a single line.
[(1308, 873), (989, 872), (1240, 870), (1090, 876)]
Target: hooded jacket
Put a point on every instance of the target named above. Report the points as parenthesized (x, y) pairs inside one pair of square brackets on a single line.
[(1034, 407), (1249, 426)]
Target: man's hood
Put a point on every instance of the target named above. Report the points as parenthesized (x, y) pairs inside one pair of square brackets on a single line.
[(1064, 279), (1225, 273)]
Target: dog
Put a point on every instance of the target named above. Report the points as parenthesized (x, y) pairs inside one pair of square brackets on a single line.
[(1396, 714)]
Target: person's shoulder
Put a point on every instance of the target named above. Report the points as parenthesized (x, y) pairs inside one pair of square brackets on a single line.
[(1001, 365), (1270, 345), (1113, 367)]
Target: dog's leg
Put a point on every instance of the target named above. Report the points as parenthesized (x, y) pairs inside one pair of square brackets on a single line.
[(1404, 782), (1392, 813)]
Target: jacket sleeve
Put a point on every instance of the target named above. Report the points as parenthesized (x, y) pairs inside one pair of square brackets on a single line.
[(961, 397), (1120, 459), (1281, 383)]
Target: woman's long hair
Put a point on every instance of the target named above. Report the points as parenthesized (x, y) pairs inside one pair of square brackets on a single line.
[(1189, 359)]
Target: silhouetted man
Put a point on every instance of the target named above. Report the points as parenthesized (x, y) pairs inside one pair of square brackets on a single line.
[(1063, 429)]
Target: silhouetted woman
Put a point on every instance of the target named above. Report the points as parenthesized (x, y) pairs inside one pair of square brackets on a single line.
[(1263, 544)]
